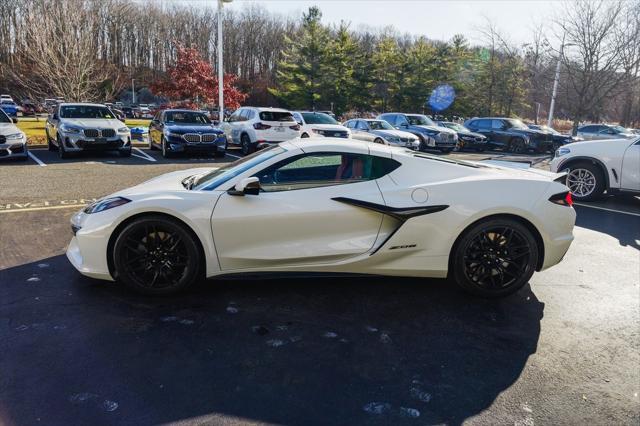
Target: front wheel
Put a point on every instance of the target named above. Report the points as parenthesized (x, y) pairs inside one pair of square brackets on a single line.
[(157, 255), (61, 151), (585, 181), (245, 143), (516, 145), (165, 150), (378, 140), (494, 258)]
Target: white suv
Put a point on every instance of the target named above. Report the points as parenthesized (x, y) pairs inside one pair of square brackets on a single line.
[(595, 166), (254, 128), (316, 124)]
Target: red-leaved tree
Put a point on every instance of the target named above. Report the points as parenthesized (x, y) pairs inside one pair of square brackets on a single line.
[(194, 78)]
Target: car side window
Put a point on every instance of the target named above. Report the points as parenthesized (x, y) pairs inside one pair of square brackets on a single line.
[(250, 114), (391, 119), (235, 116), (483, 124), (497, 125), (361, 125), (316, 170), (298, 117), (350, 124)]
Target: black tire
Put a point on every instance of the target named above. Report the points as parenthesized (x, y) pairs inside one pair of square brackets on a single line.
[(304, 135), (494, 257), (246, 145), (157, 255), (446, 151), (152, 147), (61, 152), (165, 152), (517, 145), (586, 181), (378, 140), (125, 153)]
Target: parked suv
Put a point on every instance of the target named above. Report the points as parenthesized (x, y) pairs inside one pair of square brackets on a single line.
[(511, 134), (596, 166), (604, 131), (315, 124), (430, 134), (13, 142), (86, 127), (254, 128), (178, 130)]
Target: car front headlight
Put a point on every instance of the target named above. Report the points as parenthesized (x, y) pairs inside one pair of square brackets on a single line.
[(105, 204), (170, 133), (318, 131), (562, 151), (70, 129), (124, 130), (15, 137)]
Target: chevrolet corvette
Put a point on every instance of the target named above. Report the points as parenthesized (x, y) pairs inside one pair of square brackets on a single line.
[(330, 206)]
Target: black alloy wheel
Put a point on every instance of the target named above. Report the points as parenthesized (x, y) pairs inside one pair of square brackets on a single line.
[(245, 144), (156, 255), (61, 151), (517, 145), (495, 258)]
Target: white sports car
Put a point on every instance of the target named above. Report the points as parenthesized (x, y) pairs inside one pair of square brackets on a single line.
[(330, 205)]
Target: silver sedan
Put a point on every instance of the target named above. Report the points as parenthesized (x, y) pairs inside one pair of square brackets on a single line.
[(379, 131)]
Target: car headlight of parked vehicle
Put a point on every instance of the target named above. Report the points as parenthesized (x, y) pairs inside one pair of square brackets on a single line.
[(70, 129), (562, 151), (123, 130), (169, 133), (105, 204), (14, 137), (318, 131)]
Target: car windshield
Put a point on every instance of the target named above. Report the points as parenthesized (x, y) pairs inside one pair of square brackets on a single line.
[(217, 177), (276, 116), (517, 124), (85, 111), (318, 118), (619, 129), (420, 120), (380, 125), (186, 117), (4, 118)]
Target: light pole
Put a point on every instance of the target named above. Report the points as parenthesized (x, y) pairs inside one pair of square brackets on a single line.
[(554, 92), (133, 92), (220, 64)]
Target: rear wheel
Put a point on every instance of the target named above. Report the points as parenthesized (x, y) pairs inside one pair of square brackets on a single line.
[(304, 135), (157, 255), (245, 144), (586, 181), (494, 258)]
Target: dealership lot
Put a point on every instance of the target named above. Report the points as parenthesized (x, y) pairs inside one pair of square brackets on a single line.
[(305, 350)]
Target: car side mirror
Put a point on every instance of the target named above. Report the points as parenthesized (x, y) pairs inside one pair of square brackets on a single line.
[(15, 120), (247, 186)]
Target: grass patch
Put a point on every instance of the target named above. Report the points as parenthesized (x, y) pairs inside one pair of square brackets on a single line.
[(37, 136)]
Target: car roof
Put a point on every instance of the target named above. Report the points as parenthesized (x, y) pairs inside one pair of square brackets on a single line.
[(81, 104), (261, 109), (181, 110)]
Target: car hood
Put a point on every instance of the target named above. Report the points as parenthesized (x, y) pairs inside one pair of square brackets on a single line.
[(164, 183), (8, 129), (434, 129), (192, 128), (393, 133), (473, 134), (101, 123)]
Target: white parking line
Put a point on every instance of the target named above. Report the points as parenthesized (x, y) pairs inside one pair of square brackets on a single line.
[(36, 159), (233, 155), (606, 209), (144, 155)]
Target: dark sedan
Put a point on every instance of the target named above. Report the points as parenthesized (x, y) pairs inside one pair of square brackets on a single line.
[(466, 138), (177, 131), (558, 138), (511, 134)]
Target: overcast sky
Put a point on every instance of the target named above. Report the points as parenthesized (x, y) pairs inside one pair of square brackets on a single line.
[(436, 19)]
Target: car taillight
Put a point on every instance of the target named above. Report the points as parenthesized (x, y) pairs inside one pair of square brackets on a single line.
[(563, 199), (295, 127), (261, 126)]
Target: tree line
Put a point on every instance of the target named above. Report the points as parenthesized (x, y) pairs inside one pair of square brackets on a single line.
[(91, 49)]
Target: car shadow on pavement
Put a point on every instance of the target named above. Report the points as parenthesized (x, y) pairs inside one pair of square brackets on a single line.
[(624, 227), (356, 350)]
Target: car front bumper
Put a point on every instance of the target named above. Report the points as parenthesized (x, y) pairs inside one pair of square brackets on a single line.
[(178, 144), (13, 149), (78, 142)]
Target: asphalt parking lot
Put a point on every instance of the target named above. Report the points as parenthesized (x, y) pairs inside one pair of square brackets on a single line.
[(304, 351)]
